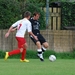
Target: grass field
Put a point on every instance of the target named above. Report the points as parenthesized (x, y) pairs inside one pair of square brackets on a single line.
[(36, 67)]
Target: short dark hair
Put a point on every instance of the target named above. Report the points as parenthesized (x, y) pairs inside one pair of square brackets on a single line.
[(27, 14), (35, 13)]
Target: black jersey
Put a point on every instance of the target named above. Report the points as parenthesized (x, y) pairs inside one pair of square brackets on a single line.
[(35, 26)]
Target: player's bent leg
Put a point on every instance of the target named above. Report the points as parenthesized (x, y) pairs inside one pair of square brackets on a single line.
[(23, 54), (39, 50), (44, 46)]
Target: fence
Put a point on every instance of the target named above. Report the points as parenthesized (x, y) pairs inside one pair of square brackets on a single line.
[(54, 18), (59, 40)]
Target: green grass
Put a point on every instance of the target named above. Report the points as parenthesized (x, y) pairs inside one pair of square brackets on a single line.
[(36, 67)]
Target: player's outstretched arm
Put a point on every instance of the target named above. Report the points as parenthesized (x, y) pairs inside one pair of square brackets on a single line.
[(8, 32), (14, 29)]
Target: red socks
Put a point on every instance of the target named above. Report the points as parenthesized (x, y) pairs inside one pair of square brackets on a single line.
[(23, 54), (14, 52)]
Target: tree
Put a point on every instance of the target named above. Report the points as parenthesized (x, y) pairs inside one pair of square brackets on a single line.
[(36, 6), (32, 6), (9, 13)]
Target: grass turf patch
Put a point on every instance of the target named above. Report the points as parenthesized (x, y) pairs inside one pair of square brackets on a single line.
[(36, 67)]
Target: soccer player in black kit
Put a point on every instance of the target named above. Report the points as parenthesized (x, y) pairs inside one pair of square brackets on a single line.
[(41, 42)]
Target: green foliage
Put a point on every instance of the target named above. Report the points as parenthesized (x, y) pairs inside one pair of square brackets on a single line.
[(32, 6), (9, 13), (33, 54), (68, 13), (2, 53)]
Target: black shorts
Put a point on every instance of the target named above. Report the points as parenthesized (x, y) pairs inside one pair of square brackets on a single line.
[(40, 38)]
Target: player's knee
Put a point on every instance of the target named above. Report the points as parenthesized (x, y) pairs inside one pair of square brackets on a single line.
[(38, 43), (25, 46), (46, 45), (21, 50)]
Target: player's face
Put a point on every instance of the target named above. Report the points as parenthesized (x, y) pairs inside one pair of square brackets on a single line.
[(37, 16)]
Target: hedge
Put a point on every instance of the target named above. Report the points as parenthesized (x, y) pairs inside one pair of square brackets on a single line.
[(67, 14), (33, 55)]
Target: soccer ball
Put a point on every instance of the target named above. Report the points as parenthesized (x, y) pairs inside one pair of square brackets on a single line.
[(52, 58)]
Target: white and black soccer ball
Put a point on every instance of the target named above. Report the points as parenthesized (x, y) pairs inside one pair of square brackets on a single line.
[(52, 58)]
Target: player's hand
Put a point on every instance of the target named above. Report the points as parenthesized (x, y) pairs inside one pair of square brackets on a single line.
[(6, 35)]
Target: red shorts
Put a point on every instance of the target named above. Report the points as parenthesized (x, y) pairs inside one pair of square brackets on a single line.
[(21, 42)]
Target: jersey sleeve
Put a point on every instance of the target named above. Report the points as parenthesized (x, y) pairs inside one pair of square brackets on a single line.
[(15, 24), (29, 28)]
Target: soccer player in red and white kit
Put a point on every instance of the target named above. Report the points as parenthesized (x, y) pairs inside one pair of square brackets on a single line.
[(21, 26)]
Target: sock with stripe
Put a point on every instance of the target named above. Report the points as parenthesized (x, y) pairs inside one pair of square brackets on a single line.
[(43, 49)]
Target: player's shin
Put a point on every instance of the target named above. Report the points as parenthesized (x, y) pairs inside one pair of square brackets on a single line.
[(23, 54)]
